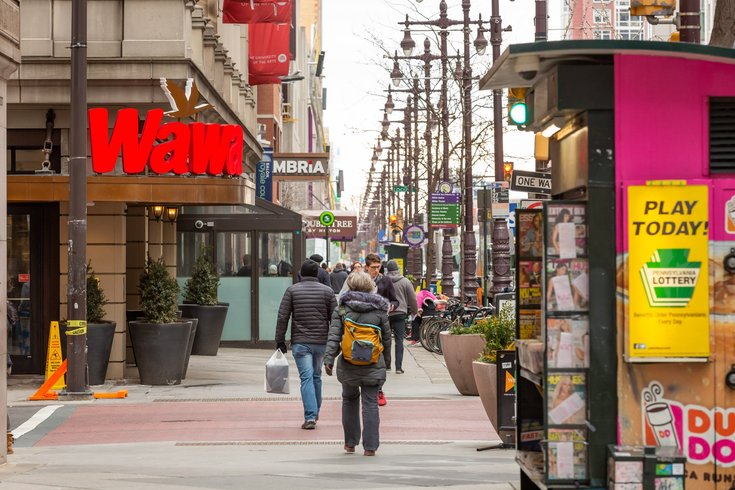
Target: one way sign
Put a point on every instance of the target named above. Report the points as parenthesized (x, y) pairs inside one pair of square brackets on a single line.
[(531, 182)]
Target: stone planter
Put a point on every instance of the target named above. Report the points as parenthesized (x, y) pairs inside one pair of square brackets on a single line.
[(209, 331), (192, 334), (459, 352), (487, 385), (160, 350)]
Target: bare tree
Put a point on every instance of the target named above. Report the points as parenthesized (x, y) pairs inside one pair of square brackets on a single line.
[(723, 27)]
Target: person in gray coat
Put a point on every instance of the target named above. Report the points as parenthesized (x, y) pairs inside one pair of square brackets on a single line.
[(359, 382), (338, 277), (406, 306), (309, 305)]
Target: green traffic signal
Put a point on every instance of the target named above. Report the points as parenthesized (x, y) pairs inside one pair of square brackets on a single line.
[(518, 113)]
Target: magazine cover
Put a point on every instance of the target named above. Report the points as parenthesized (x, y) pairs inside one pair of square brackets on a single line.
[(567, 398), (567, 342), (566, 230), (530, 233), (567, 285), (529, 282), (530, 324), (567, 454)]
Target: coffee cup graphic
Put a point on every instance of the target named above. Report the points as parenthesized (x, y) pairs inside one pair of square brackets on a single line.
[(661, 421)]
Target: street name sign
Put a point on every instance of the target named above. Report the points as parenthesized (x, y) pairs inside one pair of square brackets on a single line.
[(531, 182)]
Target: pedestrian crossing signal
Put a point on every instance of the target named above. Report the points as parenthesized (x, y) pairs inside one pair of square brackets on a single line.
[(507, 171)]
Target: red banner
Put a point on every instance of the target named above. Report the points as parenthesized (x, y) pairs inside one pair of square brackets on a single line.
[(257, 11), (269, 51)]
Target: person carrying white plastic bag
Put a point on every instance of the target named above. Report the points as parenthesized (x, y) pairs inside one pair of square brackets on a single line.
[(276, 373)]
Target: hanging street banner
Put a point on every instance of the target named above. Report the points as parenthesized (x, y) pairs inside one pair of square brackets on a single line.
[(343, 225), (539, 183), (443, 210), (264, 176), (668, 256), (269, 52), (256, 11)]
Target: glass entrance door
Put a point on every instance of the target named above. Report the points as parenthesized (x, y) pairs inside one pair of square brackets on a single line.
[(33, 283)]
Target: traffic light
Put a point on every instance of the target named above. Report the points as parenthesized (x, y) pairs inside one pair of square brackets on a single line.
[(517, 109), (393, 222), (507, 171)]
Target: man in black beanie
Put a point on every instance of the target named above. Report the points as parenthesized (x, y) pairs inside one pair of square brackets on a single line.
[(323, 275), (309, 306)]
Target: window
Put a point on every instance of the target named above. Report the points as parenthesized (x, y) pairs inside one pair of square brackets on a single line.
[(601, 16), (601, 34)]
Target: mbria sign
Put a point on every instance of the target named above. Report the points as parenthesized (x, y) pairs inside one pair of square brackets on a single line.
[(301, 164)]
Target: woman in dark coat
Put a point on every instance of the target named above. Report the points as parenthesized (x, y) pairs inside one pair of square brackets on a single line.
[(361, 305)]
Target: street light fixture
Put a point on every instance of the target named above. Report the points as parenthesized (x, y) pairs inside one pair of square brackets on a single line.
[(480, 41), (389, 105), (396, 75), (407, 44)]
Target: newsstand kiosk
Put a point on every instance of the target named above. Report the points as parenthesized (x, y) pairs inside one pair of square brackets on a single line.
[(626, 278)]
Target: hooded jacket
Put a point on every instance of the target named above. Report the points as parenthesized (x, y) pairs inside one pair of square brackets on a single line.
[(362, 308), (404, 293), (309, 304)]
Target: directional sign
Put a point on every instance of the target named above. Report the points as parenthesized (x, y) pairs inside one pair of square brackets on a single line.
[(531, 182), (326, 218)]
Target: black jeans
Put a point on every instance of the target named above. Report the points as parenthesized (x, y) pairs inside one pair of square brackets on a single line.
[(398, 325)]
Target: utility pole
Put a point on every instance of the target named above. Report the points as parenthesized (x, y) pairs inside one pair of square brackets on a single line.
[(76, 334)]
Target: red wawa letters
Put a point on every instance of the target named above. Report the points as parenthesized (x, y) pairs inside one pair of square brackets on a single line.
[(195, 148)]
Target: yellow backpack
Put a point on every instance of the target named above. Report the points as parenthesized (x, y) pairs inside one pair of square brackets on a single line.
[(361, 342)]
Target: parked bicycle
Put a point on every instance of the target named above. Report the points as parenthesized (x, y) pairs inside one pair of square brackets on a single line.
[(455, 313)]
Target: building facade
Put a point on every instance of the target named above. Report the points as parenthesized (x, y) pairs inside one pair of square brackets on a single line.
[(132, 46)]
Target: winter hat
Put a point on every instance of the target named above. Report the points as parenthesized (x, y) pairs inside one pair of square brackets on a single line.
[(272, 269), (392, 266), (317, 258), (309, 268)]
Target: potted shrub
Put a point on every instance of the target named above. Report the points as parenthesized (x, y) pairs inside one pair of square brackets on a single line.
[(100, 333), (200, 301), (460, 346), (159, 340), (498, 332)]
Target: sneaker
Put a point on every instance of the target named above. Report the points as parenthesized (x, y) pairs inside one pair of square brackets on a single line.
[(309, 425), (381, 399), (399, 371)]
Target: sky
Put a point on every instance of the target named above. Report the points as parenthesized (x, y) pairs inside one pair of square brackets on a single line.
[(355, 79)]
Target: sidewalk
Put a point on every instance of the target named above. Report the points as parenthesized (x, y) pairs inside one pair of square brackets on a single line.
[(224, 431)]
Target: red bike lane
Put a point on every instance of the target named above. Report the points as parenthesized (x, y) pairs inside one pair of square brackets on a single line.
[(272, 421)]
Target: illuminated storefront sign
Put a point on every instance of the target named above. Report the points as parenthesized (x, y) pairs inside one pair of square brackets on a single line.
[(301, 164)]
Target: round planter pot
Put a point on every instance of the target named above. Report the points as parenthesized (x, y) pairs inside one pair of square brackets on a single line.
[(192, 333), (99, 346), (160, 351), (487, 385), (209, 331), (459, 352)]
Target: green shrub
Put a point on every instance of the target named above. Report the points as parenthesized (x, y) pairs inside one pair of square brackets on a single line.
[(201, 287), (158, 293), (96, 299), (499, 331)]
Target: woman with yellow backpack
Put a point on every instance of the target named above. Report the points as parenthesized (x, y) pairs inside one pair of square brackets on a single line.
[(358, 334)]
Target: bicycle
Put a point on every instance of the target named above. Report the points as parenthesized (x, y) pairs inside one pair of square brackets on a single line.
[(455, 314)]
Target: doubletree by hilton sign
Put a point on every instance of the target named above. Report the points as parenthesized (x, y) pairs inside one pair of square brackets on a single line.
[(171, 147)]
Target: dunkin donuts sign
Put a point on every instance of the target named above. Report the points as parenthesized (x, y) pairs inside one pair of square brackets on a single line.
[(703, 435)]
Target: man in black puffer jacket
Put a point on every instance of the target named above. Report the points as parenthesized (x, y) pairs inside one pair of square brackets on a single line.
[(309, 305)]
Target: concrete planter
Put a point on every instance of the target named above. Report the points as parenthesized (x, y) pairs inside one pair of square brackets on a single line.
[(459, 352), (211, 324), (487, 385), (160, 350)]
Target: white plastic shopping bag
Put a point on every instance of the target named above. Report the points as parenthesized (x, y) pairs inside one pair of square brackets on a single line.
[(276, 373)]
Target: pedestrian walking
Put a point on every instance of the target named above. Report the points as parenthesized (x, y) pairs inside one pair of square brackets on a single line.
[(309, 306), (338, 277), (360, 382), (406, 306)]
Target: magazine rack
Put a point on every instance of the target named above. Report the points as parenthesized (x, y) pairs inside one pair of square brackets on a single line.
[(554, 424)]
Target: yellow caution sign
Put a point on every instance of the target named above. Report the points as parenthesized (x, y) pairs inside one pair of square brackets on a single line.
[(53, 356)]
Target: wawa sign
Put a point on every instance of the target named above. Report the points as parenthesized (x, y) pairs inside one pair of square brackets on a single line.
[(301, 164), (170, 147)]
